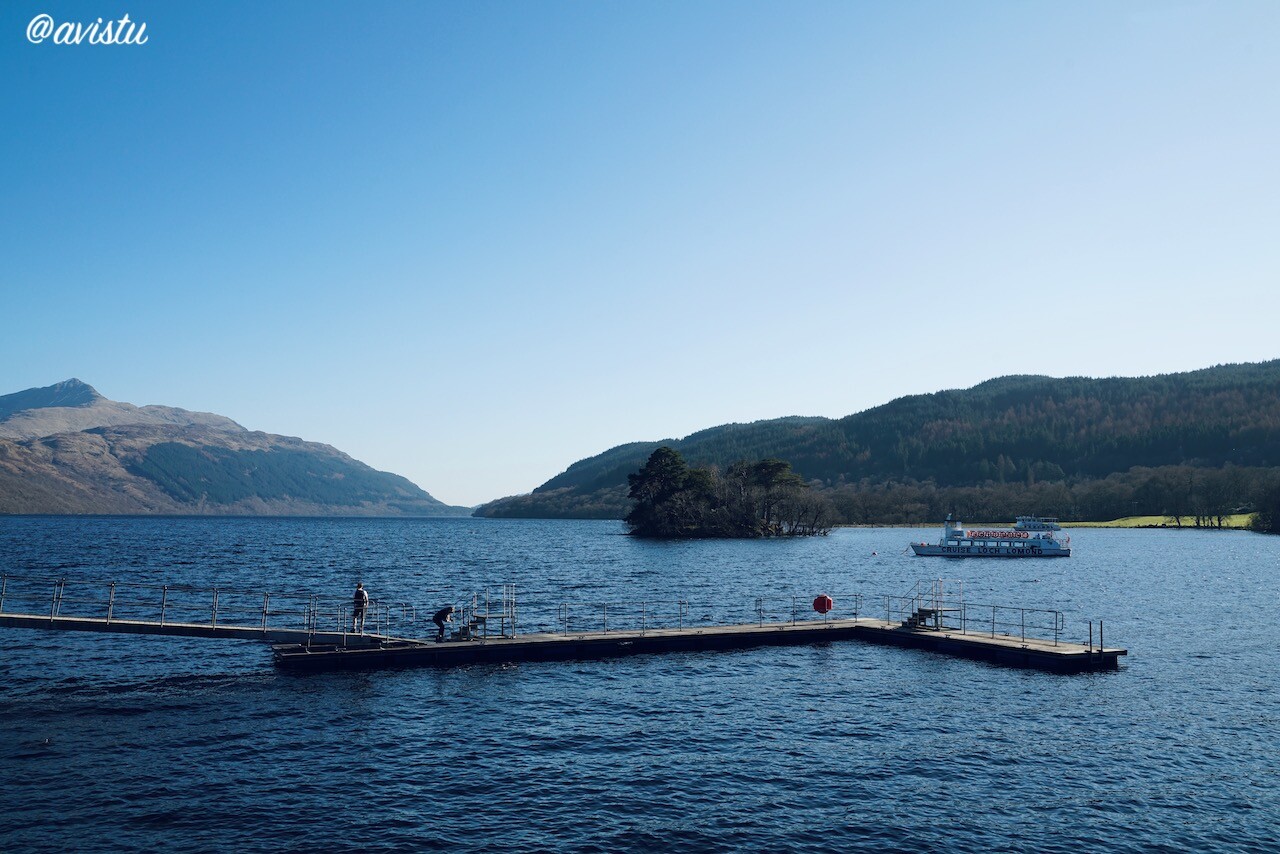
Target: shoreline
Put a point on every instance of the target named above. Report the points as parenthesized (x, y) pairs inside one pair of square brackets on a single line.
[(1235, 522)]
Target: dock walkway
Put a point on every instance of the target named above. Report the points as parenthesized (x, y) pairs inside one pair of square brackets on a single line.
[(310, 633), (269, 634), (1002, 649)]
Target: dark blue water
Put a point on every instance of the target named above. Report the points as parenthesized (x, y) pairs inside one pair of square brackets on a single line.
[(111, 743)]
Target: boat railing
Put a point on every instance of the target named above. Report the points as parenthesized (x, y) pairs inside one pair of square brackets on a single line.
[(174, 604)]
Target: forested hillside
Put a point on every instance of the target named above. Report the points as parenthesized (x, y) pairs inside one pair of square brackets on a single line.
[(1077, 447)]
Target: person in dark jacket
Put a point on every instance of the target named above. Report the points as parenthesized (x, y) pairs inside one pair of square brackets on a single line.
[(444, 615), (359, 603)]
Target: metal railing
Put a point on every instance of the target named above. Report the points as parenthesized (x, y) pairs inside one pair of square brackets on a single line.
[(800, 609), (933, 606), (924, 610), (169, 604), (651, 615), (642, 616), (479, 616)]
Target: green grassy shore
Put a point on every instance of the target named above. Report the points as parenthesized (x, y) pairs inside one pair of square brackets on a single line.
[(1239, 520)]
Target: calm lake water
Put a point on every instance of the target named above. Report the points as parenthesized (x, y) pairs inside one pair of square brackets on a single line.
[(112, 743)]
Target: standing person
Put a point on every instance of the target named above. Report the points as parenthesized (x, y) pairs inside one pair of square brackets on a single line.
[(359, 603), (444, 615)]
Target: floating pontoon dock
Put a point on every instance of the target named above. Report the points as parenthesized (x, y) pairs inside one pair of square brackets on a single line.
[(1002, 649), (930, 618)]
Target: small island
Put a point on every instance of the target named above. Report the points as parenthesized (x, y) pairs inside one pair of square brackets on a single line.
[(748, 501)]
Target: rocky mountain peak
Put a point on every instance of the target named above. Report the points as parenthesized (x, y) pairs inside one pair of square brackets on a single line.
[(68, 393), (73, 406)]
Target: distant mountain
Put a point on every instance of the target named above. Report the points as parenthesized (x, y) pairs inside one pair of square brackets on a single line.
[(67, 449), (72, 406), (1016, 429)]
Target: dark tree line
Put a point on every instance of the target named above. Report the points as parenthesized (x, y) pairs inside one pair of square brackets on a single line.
[(748, 500), (1193, 497), (1267, 515)]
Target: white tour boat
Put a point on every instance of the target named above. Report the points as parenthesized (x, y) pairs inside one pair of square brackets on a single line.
[(1031, 536)]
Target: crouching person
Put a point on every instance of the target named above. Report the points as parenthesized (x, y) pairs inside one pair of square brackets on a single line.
[(444, 615)]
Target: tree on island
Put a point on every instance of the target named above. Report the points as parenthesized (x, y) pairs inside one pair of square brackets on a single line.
[(750, 500), (1267, 517)]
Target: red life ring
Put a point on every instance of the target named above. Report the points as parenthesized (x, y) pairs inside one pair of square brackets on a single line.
[(823, 604)]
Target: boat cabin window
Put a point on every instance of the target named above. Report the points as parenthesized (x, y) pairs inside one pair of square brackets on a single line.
[(966, 542)]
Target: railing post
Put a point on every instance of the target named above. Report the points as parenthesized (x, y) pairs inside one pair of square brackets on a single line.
[(1024, 624), (4, 583), (682, 608), (213, 621), (760, 610), (606, 618), (111, 602), (644, 617), (793, 610), (993, 620), (53, 601), (266, 601), (164, 601)]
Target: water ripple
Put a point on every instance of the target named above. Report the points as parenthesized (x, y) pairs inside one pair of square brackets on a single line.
[(188, 745)]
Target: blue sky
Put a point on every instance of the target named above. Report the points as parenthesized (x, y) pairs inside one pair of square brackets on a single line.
[(473, 242)]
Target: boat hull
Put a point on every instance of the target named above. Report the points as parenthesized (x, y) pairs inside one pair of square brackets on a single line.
[(925, 550)]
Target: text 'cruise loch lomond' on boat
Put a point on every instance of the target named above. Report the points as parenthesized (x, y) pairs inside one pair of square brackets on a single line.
[(1031, 536)]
